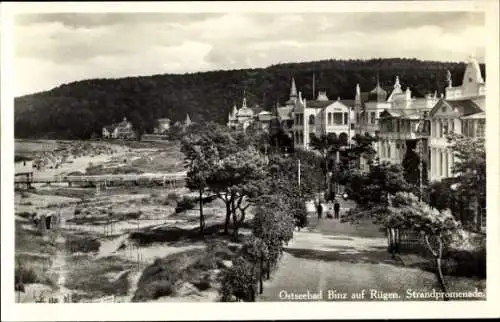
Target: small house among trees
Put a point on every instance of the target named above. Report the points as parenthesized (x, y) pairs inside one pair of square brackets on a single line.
[(121, 130)]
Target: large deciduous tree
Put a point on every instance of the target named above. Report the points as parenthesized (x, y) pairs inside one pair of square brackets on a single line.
[(469, 170), (202, 146), (237, 179), (407, 211), (373, 188)]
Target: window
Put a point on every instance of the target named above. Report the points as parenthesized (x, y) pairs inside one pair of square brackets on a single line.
[(299, 119), (372, 116), (480, 131), (397, 146), (444, 127), (337, 118), (388, 150), (357, 117), (312, 120), (346, 118), (352, 126), (24, 163), (329, 118)]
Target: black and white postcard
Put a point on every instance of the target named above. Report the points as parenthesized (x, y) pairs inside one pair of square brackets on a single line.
[(180, 159)]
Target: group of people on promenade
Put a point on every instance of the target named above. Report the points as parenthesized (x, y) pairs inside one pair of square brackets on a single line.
[(336, 209)]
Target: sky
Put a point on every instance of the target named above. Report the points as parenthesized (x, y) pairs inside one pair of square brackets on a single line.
[(58, 48)]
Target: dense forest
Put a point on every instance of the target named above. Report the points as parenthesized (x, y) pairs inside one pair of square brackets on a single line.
[(80, 109)]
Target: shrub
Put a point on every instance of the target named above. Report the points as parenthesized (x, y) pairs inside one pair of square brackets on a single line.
[(468, 262), (239, 281), (81, 244), (157, 280), (202, 285), (173, 196), (170, 200), (206, 263), (186, 203), (25, 274)]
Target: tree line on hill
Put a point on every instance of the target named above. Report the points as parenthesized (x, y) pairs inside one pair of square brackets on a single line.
[(80, 109)]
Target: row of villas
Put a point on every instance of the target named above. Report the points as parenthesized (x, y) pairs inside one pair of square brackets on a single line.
[(460, 110), (394, 115), (125, 128)]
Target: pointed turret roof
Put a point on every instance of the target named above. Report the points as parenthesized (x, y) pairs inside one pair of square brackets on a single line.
[(357, 97), (293, 89), (188, 120), (378, 93), (396, 83), (472, 71)]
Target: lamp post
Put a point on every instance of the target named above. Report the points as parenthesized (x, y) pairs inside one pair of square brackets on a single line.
[(421, 131), (420, 167)]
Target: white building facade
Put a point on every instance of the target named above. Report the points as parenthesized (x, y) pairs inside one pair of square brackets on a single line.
[(322, 117), (461, 111)]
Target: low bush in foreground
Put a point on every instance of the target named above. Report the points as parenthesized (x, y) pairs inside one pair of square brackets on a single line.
[(193, 266), (30, 269), (239, 282), (82, 244), (92, 276)]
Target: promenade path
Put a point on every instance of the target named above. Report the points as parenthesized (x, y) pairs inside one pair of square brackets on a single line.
[(343, 258)]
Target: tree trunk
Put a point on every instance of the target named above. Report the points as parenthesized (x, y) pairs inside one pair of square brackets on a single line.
[(261, 270), (235, 222), (438, 255), (441, 277), (235, 230), (202, 218), (228, 218), (252, 293)]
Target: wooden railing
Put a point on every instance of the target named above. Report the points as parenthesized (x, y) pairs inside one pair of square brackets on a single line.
[(162, 177)]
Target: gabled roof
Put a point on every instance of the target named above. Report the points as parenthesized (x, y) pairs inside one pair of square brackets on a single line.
[(475, 116), (463, 107), (401, 113)]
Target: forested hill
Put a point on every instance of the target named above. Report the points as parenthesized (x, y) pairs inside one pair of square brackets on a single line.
[(81, 108)]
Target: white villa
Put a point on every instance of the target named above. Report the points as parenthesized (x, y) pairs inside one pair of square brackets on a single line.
[(461, 111), (321, 117)]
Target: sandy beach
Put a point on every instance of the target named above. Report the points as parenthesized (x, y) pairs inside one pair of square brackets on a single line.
[(80, 163)]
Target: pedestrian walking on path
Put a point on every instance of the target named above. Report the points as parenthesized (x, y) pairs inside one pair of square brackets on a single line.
[(320, 210), (336, 209)]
